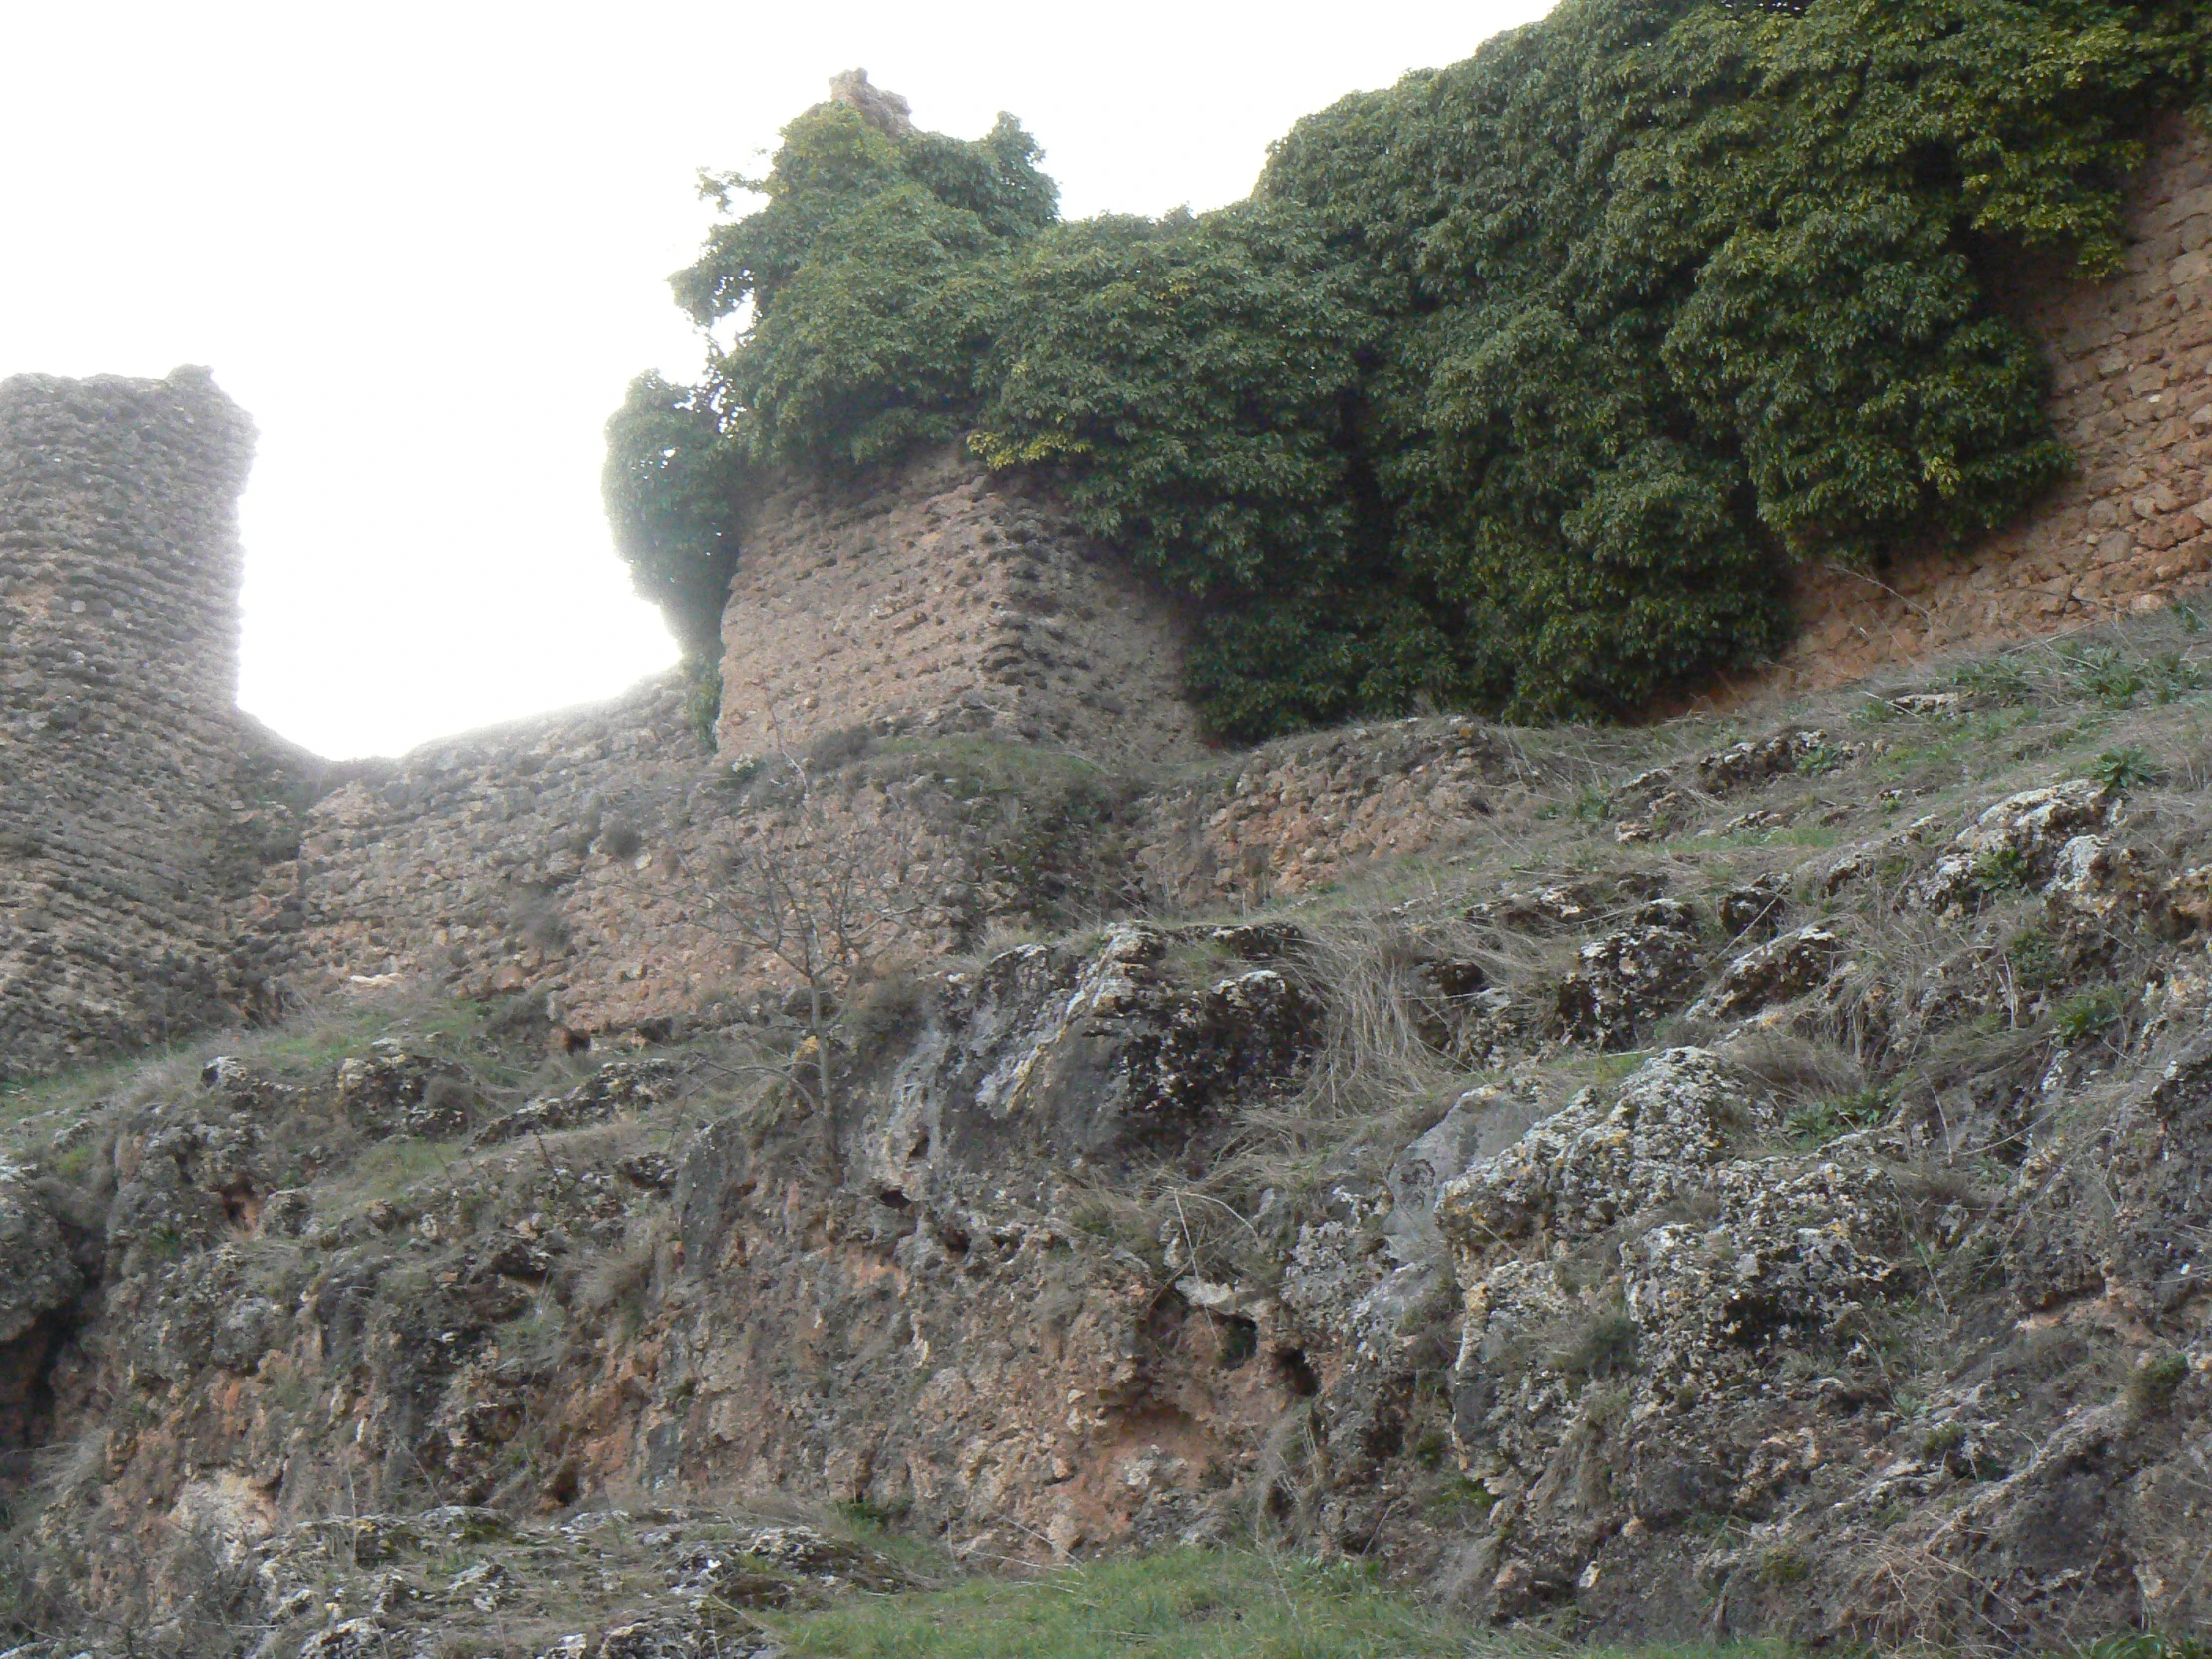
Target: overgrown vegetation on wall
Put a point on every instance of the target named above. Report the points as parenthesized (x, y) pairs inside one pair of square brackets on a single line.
[(1514, 385)]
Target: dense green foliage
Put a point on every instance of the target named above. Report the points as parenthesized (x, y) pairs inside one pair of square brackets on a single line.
[(669, 499), (1516, 384)]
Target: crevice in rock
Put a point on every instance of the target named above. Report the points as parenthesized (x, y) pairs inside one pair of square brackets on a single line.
[(1240, 1340), (1295, 1372), (27, 1395)]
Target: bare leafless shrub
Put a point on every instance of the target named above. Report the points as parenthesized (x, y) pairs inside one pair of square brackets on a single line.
[(886, 1010), (620, 838), (520, 1018), (449, 1103), (36, 1602), (1600, 1345), (807, 890), (210, 1598), (830, 752), (618, 1285), (73, 1470)]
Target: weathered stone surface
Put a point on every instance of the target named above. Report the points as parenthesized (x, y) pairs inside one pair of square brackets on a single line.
[(618, 1086), (1664, 799), (940, 598), (1777, 971), (1580, 1169), (1755, 760), (2155, 1151), (37, 1271), (1089, 1058), (1622, 982), (136, 802), (2129, 529), (1668, 1274), (39, 1278), (394, 1092), (1311, 810), (2016, 841), (1753, 910)]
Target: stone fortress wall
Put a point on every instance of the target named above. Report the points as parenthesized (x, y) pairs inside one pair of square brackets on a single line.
[(2131, 363), (132, 796), (148, 876), (570, 860), (571, 857), (940, 598), (554, 857)]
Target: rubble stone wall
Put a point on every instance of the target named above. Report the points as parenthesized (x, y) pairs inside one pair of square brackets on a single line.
[(2132, 393), (574, 856), (1308, 811), (938, 597), (578, 858), (132, 794), (515, 859)]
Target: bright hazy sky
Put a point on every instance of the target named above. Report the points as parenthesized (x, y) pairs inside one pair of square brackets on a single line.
[(425, 246)]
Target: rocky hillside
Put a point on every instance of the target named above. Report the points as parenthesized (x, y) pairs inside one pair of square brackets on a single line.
[(1748, 1177)]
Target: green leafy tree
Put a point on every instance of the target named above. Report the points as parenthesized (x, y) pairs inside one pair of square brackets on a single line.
[(1520, 384), (852, 286), (1194, 382), (671, 495), (864, 285)]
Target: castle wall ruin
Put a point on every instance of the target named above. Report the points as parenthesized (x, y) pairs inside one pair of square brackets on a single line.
[(936, 598), (553, 856), (575, 862), (162, 867), (134, 799)]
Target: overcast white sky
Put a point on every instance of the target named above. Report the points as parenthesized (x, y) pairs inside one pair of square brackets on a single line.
[(425, 246)]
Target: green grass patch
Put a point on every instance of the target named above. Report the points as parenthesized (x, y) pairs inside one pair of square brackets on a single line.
[(2152, 1644), (1199, 963), (2117, 679), (1812, 1127), (2036, 958), (79, 1089), (390, 1168), (974, 766), (2125, 769), (1184, 1604), (1999, 679), (2087, 1014), (2003, 870)]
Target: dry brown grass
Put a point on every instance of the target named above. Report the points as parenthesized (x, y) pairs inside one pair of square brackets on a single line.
[(1928, 1003)]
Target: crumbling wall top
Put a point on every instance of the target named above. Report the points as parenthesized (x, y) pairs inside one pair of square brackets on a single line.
[(119, 526)]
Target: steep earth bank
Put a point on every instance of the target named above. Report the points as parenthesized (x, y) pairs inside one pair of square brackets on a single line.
[(1732, 1179)]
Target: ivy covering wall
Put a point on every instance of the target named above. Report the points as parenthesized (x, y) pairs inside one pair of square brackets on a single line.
[(1516, 385)]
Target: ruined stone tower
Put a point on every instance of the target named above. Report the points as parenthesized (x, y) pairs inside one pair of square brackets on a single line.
[(121, 753)]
